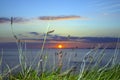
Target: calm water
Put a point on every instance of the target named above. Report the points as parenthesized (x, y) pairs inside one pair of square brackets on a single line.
[(71, 57)]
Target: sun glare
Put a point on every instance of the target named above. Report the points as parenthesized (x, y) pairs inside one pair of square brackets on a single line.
[(60, 46)]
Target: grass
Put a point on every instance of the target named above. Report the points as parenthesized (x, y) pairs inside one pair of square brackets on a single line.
[(94, 74), (110, 71), (85, 72)]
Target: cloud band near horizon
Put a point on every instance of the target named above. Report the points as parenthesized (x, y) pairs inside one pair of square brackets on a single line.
[(21, 19), (71, 17)]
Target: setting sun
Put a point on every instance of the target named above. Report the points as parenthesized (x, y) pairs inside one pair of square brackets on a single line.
[(60, 46)]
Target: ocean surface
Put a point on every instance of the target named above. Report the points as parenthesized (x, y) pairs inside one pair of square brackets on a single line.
[(70, 57)]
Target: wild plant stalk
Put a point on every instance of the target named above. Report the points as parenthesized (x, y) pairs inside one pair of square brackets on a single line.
[(54, 62), (42, 49), (82, 68), (19, 46), (108, 63), (1, 57), (10, 70), (70, 55), (116, 52), (60, 59), (102, 53), (22, 58), (45, 37), (41, 53), (88, 67), (45, 62), (25, 58), (1, 70), (83, 65), (96, 65)]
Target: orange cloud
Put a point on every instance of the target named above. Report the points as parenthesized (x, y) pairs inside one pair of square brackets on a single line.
[(71, 17), (22, 19)]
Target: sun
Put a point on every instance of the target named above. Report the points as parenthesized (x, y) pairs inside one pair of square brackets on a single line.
[(60, 46)]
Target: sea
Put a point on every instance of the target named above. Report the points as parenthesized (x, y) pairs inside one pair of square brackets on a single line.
[(48, 59)]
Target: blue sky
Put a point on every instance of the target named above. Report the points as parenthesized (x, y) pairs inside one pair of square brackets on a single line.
[(77, 18)]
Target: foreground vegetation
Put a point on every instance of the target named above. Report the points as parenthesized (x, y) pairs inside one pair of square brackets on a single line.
[(110, 71)]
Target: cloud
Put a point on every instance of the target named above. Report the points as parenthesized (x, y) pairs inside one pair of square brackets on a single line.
[(81, 42), (51, 38), (15, 19), (35, 36), (34, 33), (66, 38), (21, 19), (71, 17), (4, 19), (100, 39)]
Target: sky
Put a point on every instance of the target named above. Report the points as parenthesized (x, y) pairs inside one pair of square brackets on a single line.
[(82, 21)]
